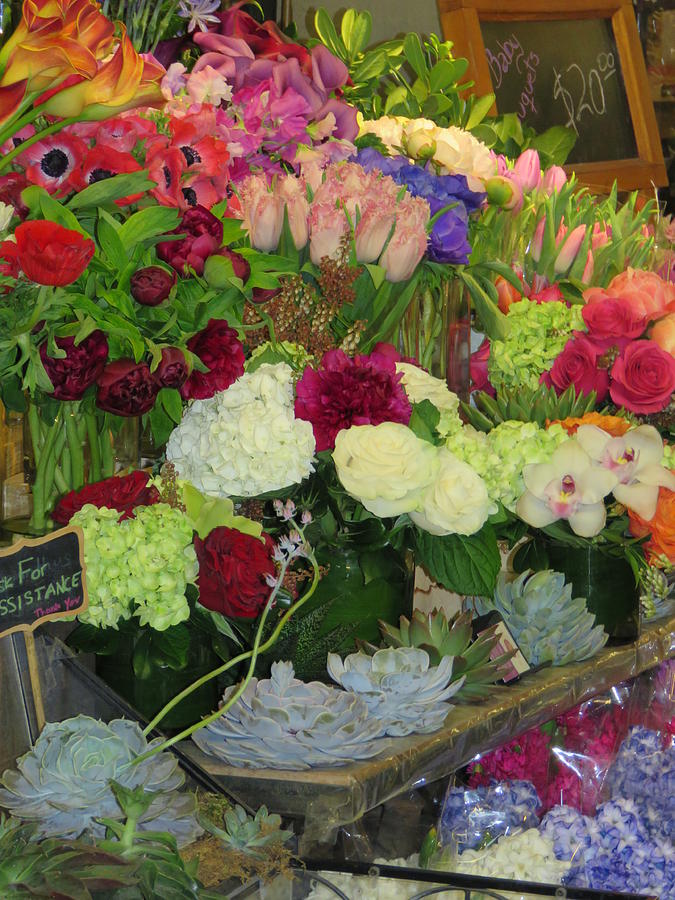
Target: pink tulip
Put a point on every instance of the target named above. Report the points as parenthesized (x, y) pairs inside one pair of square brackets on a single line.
[(601, 235), (327, 228), (569, 250), (263, 213), (527, 170), (587, 274), (373, 230), (555, 178), (409, 240), (293, 191), (538, 240)]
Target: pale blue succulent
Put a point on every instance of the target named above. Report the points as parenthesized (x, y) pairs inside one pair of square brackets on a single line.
[(400, 688), (284, 723), (549, 626), (63, 782)]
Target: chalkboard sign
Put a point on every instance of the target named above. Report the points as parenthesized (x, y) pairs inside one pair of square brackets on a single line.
[(42, 579), (566, 62)]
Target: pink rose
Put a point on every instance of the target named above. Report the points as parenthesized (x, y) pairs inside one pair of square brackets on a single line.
[(643, 378), (614, 317), (577, 364), (654, 296), (663, 333)]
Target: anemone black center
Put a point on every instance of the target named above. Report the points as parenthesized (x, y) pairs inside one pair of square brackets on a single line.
[(54, 163), (191, 155), (167, 176), (99, 175), (190, 196)]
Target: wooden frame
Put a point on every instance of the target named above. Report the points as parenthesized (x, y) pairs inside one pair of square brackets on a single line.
[(461, 23)]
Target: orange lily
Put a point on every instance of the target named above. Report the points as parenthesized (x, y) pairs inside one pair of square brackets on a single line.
[(10, 98)]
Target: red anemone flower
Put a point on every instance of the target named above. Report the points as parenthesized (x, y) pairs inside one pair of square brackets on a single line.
[(103, 162), (165, 167), (53, 162), (51, 254)]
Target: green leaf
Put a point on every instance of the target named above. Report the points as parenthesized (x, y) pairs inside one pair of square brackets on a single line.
[(377, 273), (209, 513), (110, 189), (57, 212), (424, 421), (324, 27), (161, 424), (356, 29), (171, 401), (466, 565), (170, 647), (480, 109), (91, 639), (398, 95), (445, 73), (412, 47), (494, 322), (554, 144), (372, 66), (148, 223), (111, 244)]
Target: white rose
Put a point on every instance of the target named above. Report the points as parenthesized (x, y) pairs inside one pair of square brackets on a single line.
[(456, 502), (461, 153), (389, 129), (386, 467), (420, 385)]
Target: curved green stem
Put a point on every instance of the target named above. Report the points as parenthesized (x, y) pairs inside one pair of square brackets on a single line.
[(35, 431), (33, 139), (74, 446), (41, 488), (242, 656), (105, 444), (26, 119), (94, 447)]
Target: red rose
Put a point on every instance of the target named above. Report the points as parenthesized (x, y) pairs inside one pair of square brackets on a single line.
[(172, 370), (203, 236), (365, 390), (643, 378), (123, 493), (127, 388), (11, 186), (233, 568), (614, 317), (220, 349), (80, 367), (577, 364), (152, 285), (51, 254)]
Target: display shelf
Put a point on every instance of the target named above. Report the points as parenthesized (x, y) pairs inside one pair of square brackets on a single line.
[(329, 798)]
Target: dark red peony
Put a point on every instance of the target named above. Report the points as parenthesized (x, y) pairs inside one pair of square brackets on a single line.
[(345, 391), (578, 364), (51, 254), (127, 388), (172, 371), (643, 378), (220, 349), (123, 493), (233, 570), (152, 285), (203, 236), (79, 368)]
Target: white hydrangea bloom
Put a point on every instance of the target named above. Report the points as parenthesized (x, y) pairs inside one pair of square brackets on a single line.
[(246, 440)]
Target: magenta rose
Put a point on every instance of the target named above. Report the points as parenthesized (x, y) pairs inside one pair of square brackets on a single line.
[(614, 317), (79, 368), (172, 371), (643, 378), (127, 388), (152, 285), (577, 364), (203, 236), (478, 369), (365, 390), (220, 349)]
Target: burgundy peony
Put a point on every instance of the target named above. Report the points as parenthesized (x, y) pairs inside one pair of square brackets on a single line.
[(344, 391), (614, 317), (79, 368), (233, 568), (123, 493), (127, 388), (172, 371), (643, 378), (203, 236), (577, 364), (220, 349), (152, 285)]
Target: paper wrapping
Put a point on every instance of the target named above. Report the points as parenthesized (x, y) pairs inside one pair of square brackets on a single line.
[(329, 798)]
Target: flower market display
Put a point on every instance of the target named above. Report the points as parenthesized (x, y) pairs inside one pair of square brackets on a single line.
[(285, 326)]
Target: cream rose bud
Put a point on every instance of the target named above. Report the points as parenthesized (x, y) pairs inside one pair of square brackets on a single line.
[(456, 502), (386, 467)]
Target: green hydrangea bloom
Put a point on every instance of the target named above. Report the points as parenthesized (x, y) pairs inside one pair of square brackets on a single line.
[(295, 355), (499, 455), (539, 332), (140, 566), (668, 456)]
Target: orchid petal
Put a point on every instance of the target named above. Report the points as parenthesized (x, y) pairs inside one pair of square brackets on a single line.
[(641, 498), (538, 476), (588, 520), (658, 475), (647, 442), (595, 483), (593, 440), (534, 511), (570, 458)]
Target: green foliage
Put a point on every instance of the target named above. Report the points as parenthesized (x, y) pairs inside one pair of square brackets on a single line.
[(466, 565), (524, 404), (147, 21)]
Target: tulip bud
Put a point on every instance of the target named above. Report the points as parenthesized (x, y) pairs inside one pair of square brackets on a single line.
[(527, 170), (507, 294), (587, 274), (151, 285), (555, 179), (538, 239), (505, 192), (570, 248), (372, 232)]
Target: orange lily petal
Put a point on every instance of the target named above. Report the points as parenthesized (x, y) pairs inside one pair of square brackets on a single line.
[(10, 99)]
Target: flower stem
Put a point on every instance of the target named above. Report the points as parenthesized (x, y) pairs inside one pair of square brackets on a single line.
[(42, 488), (33, 139), (35, 432), (74, 446), (105, 443), (94, 447), (242, 656)]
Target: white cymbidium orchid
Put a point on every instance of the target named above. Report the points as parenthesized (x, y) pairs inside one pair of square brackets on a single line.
[(568, 487), (635, 459)]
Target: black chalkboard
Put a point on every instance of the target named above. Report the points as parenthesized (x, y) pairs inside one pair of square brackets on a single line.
[(563, 72), (42, 579)]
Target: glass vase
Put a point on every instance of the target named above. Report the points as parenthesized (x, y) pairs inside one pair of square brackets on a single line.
[(364, 578), (436, 331)]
